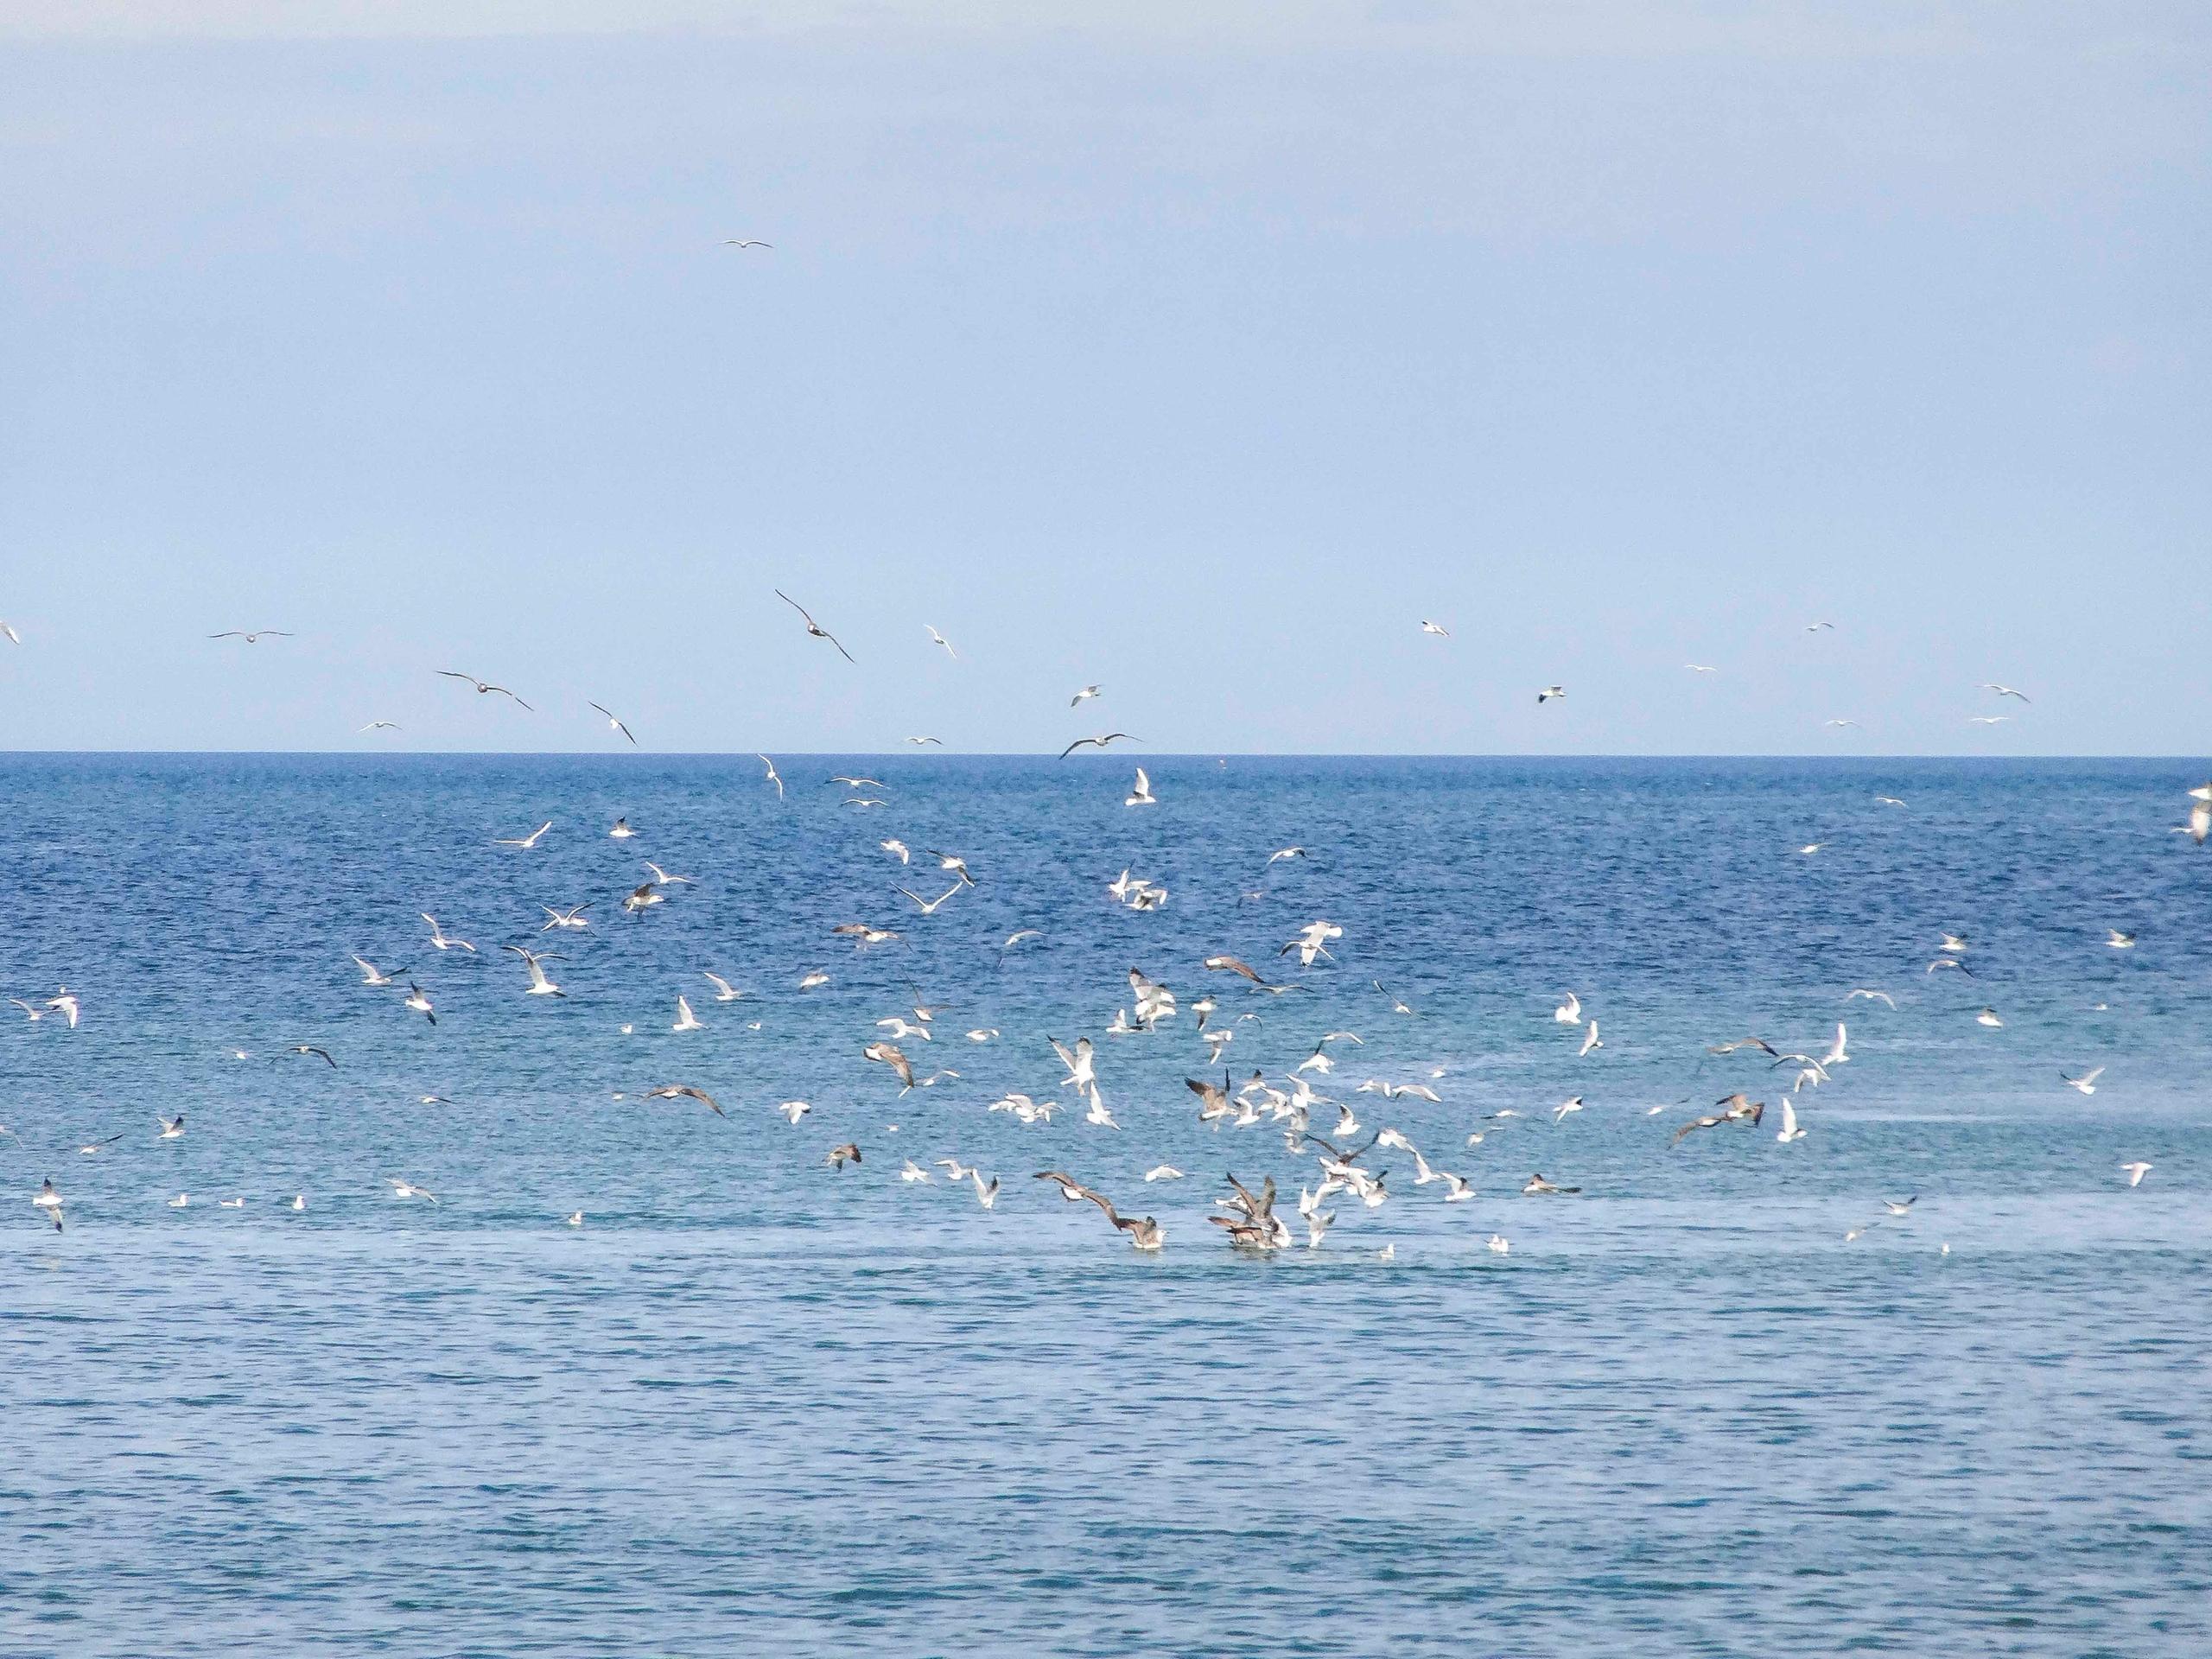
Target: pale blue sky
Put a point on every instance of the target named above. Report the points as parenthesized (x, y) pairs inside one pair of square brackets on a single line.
[(1200, 351)]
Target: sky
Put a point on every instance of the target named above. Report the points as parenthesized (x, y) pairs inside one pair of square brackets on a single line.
[(1200, 351)]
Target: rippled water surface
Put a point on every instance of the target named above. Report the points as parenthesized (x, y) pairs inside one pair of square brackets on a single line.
[(755, 1404)]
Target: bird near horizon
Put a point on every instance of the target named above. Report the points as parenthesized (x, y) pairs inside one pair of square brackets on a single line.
[(1098, 742), (615, 724), (253, 638), (484, 688)]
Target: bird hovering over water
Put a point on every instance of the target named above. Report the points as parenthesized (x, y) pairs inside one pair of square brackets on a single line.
[(441, 939), (773, 776), (528, 841), (1141, 794), (484, 688), (1098, 742), (813, 628), (615, 724)]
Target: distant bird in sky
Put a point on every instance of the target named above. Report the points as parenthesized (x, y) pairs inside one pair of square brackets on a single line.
[(813, 628), (1701, 667), (1839, 722), (615, 724), (746, 242), (1548, 693), (1814, 628), (2003, 691), (7, 628), (1436, 628), (1084, 695), (1098, 742), (939, 640), (253, 638), (918, 741), (380, 726), (484, 688), (1988, 720)]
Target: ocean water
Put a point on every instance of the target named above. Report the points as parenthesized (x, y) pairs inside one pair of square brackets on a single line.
[(754, 1404)]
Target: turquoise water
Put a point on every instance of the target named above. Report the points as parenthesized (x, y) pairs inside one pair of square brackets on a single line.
[(755, 1404)]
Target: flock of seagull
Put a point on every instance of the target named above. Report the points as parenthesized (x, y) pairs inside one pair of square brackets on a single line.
[(1347, 1156)]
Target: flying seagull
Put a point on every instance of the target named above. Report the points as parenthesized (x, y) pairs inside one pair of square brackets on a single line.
[(1141, 795), (774, 777), (253, 638), (936, 639), (528, 841), (615, 724), (746, 242), (2003, 691), (1098, 742), (1548, 693), (812, 626), (484, 688)]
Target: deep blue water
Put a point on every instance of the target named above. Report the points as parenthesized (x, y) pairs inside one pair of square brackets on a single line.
[(754, 1404)]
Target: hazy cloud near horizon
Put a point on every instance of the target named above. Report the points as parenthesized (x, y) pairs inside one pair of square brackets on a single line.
[(1201, 352)]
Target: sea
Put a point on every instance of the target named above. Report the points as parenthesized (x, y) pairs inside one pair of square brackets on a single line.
[(1718, 1400)]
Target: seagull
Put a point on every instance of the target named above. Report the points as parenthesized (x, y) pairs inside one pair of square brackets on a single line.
[(1398, 1005), (574, 1219), (1816, 627), (812, 626), (1436, 628), (1098, 742), (615, 724), (2134, 1172), (1496, 1244), (539, 984), (794, 1109), (911, 1170), (773, 776), (2086, 1083), (1013, 939), (928, 906), (917, 741), (1988, 1017), (574, 918), (1559, 1112), (1083, 695), (685, 1092), (94, 1149), (172, 1127), (1163, 1173), (1277, 856), (528, 841), (2118, 940), (483, 687), (1887, 800), (1788, 1131), (1872, 996), (724, 991), (1591, 1040), (1810, 847), (14, 638), (839, 1156), (49, 1202), (812, 981), (64, 1002), (2003, 691), (1141, 795), (30, 1013), (891, 1055), (1701, 667), (370, 975), (309, 1048), (982, 1033), (1900, 1206), (1538, 1185), (253, 638), (1988, 720), (439, 938), (662, 877), (2199, 822), (1839, 722), (421, 1003), (986, 1196), (621, 831), (408, 1190), (685, 1019), (299, 1200), (643, 896), (936, 639), (1569, 1013), (380, 726), (1548, 693)]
